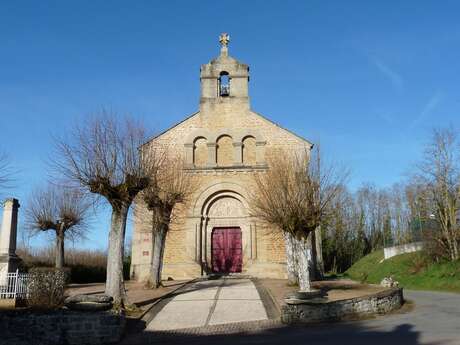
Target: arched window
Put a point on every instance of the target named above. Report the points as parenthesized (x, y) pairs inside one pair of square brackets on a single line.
[(200, 152), (224, 151), (249, 151), (224, 84)]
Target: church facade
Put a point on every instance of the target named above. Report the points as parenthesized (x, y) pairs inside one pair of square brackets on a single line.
[(223, 144)]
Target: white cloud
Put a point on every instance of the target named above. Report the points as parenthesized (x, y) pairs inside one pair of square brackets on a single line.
[(427, 109), (395, 78)]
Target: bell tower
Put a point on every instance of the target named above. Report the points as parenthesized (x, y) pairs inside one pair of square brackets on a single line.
[(224, 80)]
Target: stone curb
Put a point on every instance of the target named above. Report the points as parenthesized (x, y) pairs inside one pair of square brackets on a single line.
[(271, 306), (308, 311), (227, 328)]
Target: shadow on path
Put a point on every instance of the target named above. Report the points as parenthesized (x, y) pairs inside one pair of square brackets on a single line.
[(348, 334)]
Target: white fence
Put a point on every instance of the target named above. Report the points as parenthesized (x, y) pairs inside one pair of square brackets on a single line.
[(402, 249), (13, 285)]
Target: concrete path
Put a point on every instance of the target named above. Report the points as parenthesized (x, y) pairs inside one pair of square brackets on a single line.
[(211, 302), (434, 320)]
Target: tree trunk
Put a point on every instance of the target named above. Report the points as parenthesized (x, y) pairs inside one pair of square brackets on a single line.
[(59, 249), (303, 257), (291, 260), (317, 255), (319, 252), (114, 285), (158, 249)]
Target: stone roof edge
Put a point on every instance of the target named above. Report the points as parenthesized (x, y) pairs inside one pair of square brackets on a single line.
[(283, 128), (169, 128)]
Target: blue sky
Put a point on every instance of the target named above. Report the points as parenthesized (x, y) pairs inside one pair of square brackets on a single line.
[(368, 80)]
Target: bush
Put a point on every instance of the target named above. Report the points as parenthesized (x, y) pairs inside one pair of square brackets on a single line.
[(46, 287)]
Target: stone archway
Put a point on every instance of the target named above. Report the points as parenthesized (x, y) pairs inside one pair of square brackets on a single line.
[(223, 205), (223, 209)]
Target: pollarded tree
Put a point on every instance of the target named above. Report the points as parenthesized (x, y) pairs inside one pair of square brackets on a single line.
[(294, 195), (101, 156), (171, 186), (62, 210)]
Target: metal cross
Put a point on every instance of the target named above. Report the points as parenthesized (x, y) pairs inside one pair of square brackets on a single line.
[(224, 38)]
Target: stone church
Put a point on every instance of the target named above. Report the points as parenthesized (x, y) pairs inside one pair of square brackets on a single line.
[(224, 143)]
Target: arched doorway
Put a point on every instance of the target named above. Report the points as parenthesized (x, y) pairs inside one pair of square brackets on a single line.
[(225, 230)]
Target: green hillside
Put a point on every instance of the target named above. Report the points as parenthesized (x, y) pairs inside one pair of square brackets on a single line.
[(412, 271)]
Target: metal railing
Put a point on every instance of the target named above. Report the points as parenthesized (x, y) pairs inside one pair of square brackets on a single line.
[(14, 285)]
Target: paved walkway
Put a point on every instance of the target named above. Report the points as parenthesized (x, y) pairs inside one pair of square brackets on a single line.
[(434, 320), (211, 302)]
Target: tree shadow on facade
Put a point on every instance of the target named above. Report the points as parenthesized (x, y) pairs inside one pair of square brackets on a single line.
[(324, 334)]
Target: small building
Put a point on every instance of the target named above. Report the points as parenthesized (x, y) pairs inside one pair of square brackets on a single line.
[(224, 143)]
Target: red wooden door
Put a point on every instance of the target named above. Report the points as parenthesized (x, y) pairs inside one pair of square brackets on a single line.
[(227, 251)]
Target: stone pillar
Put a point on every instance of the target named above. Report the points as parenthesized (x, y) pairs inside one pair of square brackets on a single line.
[(9, 261), (188, 155), (238, 154), (260, 153), (212, 161)]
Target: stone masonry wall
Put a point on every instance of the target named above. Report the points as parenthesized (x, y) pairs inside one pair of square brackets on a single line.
[(180, 254), (310, 311), (59, 327)]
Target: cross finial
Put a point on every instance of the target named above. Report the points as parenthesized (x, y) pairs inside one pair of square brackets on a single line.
[(224, 38)]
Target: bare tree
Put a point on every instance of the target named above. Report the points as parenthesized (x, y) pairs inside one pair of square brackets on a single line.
[(102, 157), (294, 194), (172, 186), (62, 210), (439, 172)]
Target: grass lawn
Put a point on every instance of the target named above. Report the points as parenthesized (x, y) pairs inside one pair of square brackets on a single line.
[(411, 271)]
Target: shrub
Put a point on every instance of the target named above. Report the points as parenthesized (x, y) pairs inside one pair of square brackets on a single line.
[(434, 245), (419, 263), (46, 287)]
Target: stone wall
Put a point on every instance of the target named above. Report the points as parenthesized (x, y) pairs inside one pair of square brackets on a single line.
[(402, 249), (60, 327), (311, 311), (263, 248)]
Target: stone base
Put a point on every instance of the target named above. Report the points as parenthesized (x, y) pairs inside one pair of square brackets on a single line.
[(7, 303), (8, 264), (307, 295), (61, 327), (320, 309)]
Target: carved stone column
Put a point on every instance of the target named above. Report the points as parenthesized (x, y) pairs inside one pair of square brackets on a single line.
[(188, 155), (238, 153), (212, 162), (260, 153)]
